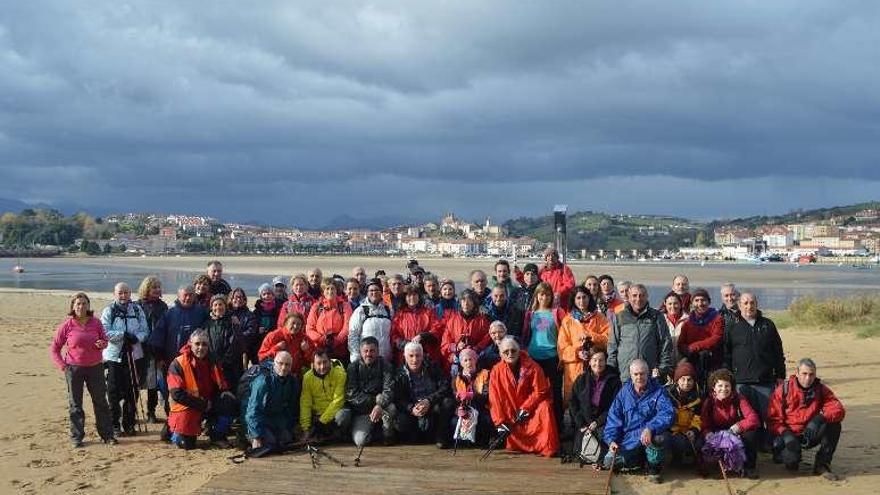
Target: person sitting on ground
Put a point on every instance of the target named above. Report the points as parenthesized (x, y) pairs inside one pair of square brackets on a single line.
[(243, 319), (638, 422), (369, 394), (500, 308), (126, 327), (702, 336), (805, 413), (725, 409), (448, 304), (83, 338), (591, 396), (640, 331), (217, 286), (416, 323), (271, 411), (491, 355), (371, 319), (423, 399), (290, 337), (321, 416), (559, 276), (198, 392), (202, 287), (675, 317), (466, 328), (521, 402), (685, 442), (471, 388), (315, 279), (299, 301), (584, 328), (225, 340), (327, 324)]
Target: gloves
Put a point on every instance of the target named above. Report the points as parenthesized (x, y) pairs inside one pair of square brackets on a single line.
[(464, 395), (811, 432), (502, 429), (130, 339), (521, 416)]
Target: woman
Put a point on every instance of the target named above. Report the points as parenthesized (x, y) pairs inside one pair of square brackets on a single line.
[(299, 300), (266, 312), (150, 301), (724, 410), (290, 337), (448, 304), (684, 441), (83, 339), (225, 340), (676, 316), (591, 396), (244, 319), (327, 324), (540, 332), (471, 388), (609, 302), (585, 328), (521, 402), (202, 288), (416, 323), (466, 328), (353, 293), (591, 283)]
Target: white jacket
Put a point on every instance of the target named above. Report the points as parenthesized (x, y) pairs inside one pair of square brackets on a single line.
[(118, 321), (370, 320)]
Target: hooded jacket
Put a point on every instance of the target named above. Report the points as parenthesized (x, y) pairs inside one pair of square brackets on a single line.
[(192, 382), (174, 329), (273, 404), (719, 415), (474, 329), (370, 320), (561, 280), (800, 406), (328, 323), (295, 304), (408, 323), (568, 343), (631, 413)]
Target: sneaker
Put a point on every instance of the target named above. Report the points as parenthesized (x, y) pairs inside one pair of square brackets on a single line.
[(825, 472), (77, 444)]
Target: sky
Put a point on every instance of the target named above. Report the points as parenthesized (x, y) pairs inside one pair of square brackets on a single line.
[(300, 112)]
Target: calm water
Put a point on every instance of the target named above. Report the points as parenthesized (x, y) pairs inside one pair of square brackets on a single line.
[(91, 277)]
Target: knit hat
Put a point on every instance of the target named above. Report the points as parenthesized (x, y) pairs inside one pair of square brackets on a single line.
[(264, 288), (701, 293), (467, 352), (684, 368), (530, 267), (374, 281)]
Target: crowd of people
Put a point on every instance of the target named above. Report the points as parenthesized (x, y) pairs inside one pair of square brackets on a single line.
[(528, 359)]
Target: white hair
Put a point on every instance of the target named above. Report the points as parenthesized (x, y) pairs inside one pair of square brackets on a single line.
[(638, 363), (413, 347), (509, 341)]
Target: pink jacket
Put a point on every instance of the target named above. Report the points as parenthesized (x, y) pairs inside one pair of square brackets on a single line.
[(80, 342)]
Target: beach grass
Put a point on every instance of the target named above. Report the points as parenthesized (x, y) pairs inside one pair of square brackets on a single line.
[(859, 315)]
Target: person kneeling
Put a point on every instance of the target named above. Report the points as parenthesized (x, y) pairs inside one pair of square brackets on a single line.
[(198, 392), (368, 394), (270, 414), (423, 399), (729, 425), (684, 441), (805, 413), (321, 415), (638, 421), (472, 422)]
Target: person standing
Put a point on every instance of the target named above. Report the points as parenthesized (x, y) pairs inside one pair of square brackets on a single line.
[(640, 332), (217, 286), (151, 303)]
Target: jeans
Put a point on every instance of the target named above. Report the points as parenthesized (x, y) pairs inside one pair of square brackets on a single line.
[(635, 457), (93, 379)]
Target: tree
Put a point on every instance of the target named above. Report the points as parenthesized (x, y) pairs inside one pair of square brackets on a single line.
[(107, 249)]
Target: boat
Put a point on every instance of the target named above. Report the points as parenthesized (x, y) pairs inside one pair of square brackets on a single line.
[(17, 269)]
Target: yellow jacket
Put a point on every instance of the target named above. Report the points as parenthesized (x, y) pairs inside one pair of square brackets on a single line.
[(322, 396)]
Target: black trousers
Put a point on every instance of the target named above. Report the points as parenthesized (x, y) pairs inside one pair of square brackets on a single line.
[(789, 446), (91, 378), (550, 367), (433, 426), (121, 394)]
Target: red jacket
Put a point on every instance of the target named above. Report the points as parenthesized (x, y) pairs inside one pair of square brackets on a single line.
[(297, 304), (476, 329), (561, 280), (192, 382), (408, 323), (292, 344), (797, 414), (326, 318), (706, 337), (719, 415)]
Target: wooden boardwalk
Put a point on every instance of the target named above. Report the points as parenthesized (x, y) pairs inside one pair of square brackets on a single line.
[(406, 470)]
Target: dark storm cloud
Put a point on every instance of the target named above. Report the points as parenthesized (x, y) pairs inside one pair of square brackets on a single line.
[(145, 104)]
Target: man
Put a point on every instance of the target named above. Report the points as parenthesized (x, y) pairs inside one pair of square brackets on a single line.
[(559, 277), (502, 279), (315, 277), (491, 355), (360, 274), (753, 352), (432, 291), (198, 392), (623, 289), (280, 289), (270, 413), (637, 423), (369, 393), (371, 319), (527, 288), (323, 394), (417, 278), (499, 309), (640, 332), (395, 299), (126, 327), (700, 340), (729, 310), (215, 273), (805, 413), (681, 286), (480, 285), (423, 399)]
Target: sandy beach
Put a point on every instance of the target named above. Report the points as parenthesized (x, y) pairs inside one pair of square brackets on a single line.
[(35, 456)]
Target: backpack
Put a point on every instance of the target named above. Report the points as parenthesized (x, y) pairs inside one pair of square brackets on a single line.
[(591, 447), (117, 313), (386, 315), (817, 384), (243, 391)]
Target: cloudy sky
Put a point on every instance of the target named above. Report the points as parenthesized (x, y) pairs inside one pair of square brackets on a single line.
[(297, 112)]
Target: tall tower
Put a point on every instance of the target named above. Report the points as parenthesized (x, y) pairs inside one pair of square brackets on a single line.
[(559, 213)]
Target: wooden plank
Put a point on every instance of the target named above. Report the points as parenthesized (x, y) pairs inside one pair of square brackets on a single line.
[(405, 469)]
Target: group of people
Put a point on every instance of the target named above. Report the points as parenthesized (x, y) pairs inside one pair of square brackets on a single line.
[(589, 372)]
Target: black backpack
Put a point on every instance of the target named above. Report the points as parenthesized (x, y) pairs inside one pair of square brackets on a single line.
[(243, 392)]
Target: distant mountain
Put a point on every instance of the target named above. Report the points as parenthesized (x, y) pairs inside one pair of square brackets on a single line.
[(12, 205)]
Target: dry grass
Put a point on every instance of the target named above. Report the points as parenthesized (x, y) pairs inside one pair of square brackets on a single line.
[(860, 315)]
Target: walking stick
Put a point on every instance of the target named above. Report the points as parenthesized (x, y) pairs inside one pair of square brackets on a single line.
[(135, 387), (724, 475), (357, 460), (610, 473)]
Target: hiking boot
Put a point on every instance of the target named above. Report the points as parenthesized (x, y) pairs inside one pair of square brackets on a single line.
[(117, 431), (77, 444), (826, 472), (151, 417), (110, 441), (655, 478), (751, 473)]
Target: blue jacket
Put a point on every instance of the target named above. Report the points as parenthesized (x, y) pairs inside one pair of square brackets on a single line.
[(174, 329), (630, 414), (120, 321), (273, 403)]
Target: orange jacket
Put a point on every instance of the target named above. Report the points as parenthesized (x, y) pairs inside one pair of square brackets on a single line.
[(569, 342), (192, 382), (475, 330), (561, 280), (330, 318), (408, 323)]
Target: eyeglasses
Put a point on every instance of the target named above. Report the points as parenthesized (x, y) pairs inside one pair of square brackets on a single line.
[(508, 352)]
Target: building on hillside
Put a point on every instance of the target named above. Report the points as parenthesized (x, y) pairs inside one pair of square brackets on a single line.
[(777, 236), (461, 247), (732, 235)]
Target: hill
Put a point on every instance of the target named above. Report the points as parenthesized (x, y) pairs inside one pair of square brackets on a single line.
[(799, 216)]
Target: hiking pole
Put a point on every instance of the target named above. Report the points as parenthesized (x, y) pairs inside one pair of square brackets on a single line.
[(610, 472), (357, 460), (724, 475), (455, 447), (135, 387), (498, 441)]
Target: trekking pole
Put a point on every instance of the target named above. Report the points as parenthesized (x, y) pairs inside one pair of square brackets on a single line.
[(135, 387), (455, 447), (724, 475), (610, 472), (313, 455), (357, 460)]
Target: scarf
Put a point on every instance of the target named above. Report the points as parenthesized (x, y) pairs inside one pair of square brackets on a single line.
[(580, 316), (704, 319), (674, 318), (267, 306)]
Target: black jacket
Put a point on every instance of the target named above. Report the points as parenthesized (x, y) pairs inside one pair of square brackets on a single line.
[(364, 383), (580, 405), (754, 354), (438, 386)]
